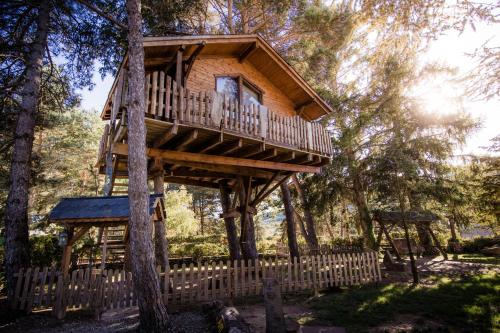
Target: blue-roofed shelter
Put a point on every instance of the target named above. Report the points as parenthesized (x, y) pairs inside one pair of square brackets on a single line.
[(101, 210), (78, 215)]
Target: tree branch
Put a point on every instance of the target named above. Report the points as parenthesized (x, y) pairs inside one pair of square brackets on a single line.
[(103, 14)]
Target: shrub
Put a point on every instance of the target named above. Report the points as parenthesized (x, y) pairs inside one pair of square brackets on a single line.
[(44, 250), (477, 244)]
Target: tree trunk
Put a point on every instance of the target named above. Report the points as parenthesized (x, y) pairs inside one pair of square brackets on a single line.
[(17, 252), (312, 239), (453, 230), (291, 230), (365, 219), (152, 312), (161, 244), (232, 236), (247, 235)]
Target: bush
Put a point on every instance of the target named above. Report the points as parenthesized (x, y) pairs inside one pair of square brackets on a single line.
[(477, 244), (45, 251), (355, 242)]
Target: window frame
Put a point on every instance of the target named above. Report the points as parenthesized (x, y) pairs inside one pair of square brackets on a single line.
[(242, 80)]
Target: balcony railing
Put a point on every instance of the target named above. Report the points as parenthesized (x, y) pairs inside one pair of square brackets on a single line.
[(168, 101)]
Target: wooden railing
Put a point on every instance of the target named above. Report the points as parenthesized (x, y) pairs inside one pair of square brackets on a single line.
[(102, 290), (167, 100)]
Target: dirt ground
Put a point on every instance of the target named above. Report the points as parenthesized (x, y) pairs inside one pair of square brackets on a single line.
[(195, 321)]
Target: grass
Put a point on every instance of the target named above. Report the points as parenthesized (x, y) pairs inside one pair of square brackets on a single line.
[(476, 258), (468, 304)]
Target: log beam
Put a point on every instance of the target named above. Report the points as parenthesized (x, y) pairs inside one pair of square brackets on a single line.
[(169, 155)]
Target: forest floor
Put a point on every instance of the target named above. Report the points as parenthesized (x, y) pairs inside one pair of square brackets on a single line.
[(453, 296)]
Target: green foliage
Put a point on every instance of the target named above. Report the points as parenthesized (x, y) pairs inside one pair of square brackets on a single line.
[(355, 241), (180, 217), (477, 244), (45, 251), (198, 246)]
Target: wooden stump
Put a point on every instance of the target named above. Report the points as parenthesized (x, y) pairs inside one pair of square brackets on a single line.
[(275, 319)]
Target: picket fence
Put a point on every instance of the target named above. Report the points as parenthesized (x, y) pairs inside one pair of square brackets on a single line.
[(111, 289)]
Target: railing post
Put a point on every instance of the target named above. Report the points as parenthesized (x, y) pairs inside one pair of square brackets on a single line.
[(216, 110), (263, 120), (309, 136)]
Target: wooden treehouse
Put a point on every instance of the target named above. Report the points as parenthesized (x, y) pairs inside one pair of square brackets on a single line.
[(223, 112)]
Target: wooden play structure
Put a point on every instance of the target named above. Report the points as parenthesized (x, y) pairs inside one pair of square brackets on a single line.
[(388, 220)]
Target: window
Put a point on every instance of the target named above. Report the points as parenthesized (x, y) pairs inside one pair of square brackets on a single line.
[(228, 86), (239, 88)]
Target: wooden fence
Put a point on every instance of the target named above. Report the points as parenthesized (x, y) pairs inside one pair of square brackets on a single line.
[(169, 101), (110, 289)]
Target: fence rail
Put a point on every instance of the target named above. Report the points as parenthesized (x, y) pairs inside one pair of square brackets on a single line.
[(167, 100), (110, 289)]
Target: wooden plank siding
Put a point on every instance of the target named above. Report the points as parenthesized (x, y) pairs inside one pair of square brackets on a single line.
[(112, 289), (202, 78)]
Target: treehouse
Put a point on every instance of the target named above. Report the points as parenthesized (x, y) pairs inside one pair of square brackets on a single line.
[(223, 112), (219, 107)]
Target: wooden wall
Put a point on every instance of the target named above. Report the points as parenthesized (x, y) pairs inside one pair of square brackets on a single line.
[(202, 77)]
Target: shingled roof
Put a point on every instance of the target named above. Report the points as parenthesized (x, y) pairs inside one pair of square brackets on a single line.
[(96, 209), (410, 216)]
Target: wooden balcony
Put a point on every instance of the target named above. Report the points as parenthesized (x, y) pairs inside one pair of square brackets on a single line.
[(203, 120)]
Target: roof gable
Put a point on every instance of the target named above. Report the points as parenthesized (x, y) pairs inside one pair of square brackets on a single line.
[(159, 51)]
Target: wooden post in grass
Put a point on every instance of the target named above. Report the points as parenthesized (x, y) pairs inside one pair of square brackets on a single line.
[(275, 319)]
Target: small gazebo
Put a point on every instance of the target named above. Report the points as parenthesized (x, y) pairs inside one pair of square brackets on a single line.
[(387, 220), (80, 214)]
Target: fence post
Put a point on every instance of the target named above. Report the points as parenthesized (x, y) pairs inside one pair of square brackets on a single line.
[(59, 309)]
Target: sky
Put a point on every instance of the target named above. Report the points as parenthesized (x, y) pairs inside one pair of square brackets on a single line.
[(438, 94)]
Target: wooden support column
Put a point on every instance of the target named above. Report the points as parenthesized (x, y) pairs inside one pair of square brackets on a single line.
[(179, 70), (436, 242), (104, 248), (160, 237), (389, 239), (66, 255)]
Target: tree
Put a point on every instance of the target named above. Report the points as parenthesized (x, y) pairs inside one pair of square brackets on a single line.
[(16, 215), (152, 312), (309, 230), (291, 229), (60, 30), (231, 231)]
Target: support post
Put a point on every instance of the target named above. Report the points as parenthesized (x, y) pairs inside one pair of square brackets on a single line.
[(389, 239), (104, 248), (66, 256), (436, 242), (160, 238)]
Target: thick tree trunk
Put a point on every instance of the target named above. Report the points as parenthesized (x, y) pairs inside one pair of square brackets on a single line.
[(232, 235), (453, 229), (152, 312), (17, 253), (291, 230), (311, 239), (365, 219), (247, 242), (161, 244)]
